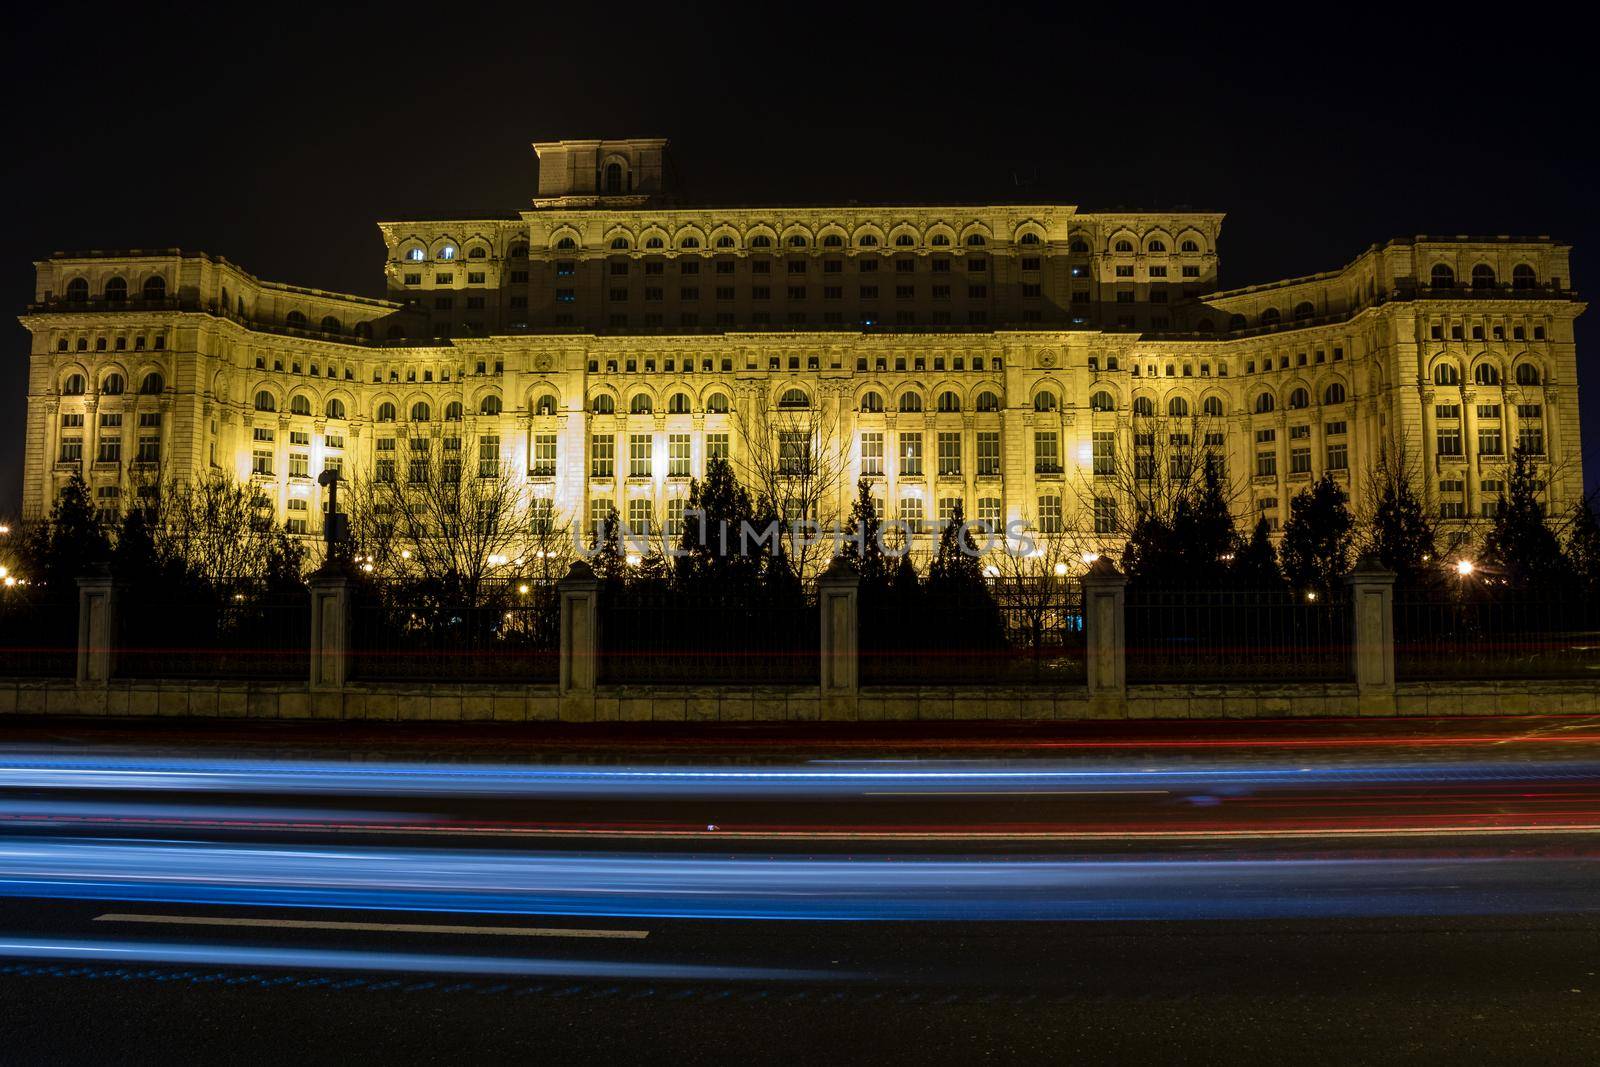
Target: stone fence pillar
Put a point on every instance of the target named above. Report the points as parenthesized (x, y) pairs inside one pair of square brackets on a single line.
[(580, 640), (330, 629), (838, 601), (1372, 636), (1105, 625), (97, 626)]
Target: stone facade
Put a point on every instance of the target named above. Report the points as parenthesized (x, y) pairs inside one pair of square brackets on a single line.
[(995, 355)]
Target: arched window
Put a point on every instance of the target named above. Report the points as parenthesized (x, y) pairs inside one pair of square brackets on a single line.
[(299, 405), (1044, 400), (1178, 407), (363, 330), (265, 402), (872, 402), (447, 252), (477, 253), (760, 240), (910, 402), (868, 241), (1212, 407), (1270, 317), (1446, 374), (520, 251), (678, 404), (545, 405), (1527, 374), (1483, 276), (1102, 401), (1205, 326), (1523, 277), (1486, 374), (717, 403), (1158, 246), (1123, 246), (604, 405), (1030, 238), (295, 318), (797, 240), (833, 240), (619, 243), (78, 289), (1079, 247), (949, 401), (640, 404), (794, 398), (940, 240), (452, 411), (335, 408), (73, 386), (1265, 403), (1299, 398), (1334, 394), (155, 288), (655, 242), (421, 412), (725, 241), (113, 385), (904, 240), (988, 401), (117, 289), (415, 255), (1304, 310), (330, 324), (1189, 246), (1237, 322), (153, 383), (613, 177), (385, 412), (489, 405), (1144, 406), (976, 240), (690, 242), (566, 244), (1442, 277)]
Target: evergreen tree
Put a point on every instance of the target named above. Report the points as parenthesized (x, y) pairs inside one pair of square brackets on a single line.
[(868, 557), (961, 611), (1520, 545), (1402, 536), (1583, 547), (1318, 536), (710, 552), (609, 560), (70, 541), (1255, 563), (1191, 547)]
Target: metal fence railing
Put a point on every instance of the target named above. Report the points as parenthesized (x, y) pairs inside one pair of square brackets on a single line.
[(510, 636), (1442, 637), (1015, 633), (1214, 635), (649, 637), (38, 637), (242, 635)]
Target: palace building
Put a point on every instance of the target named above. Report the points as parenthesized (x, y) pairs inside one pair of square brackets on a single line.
[(603, 342)]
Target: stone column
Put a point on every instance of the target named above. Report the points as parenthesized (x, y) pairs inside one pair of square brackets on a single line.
[(330, 629), (1372, 636), (97, 626), (1104, 618), (580, 641), (839, 598)]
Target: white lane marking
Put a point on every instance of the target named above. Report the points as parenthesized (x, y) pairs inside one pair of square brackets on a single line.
[(399, 928), (1022, 793)]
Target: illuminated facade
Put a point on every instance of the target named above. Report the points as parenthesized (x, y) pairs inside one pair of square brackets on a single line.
[(603, 342)]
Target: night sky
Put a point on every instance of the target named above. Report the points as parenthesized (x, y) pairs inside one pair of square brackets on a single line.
[(278, 136)]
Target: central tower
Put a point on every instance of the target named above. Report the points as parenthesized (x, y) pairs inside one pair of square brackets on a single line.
[(622, 174)]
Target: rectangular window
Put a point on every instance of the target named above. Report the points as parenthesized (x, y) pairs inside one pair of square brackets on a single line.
[(488, 455), (1338, 456), (871, 454), (911, 456), (261, 461), (947, 510), (1105, 452), (544, 456), (673, 526), (1300, 460), (72, 450), (542, 516), (1267, 464), (639, 449), (1490, 441), (639, 517), (299, 463), (1046, 452), (989, 512), (1335, 429), (949, 454), (1530, 428), (149, 449), (1447, 411), (911, 512), (602, 456), (678, 455), (599, 511), (1105, 515), (988, 454), (1297, 433), (1488, 411), (794, 452), (1050, 514), (263, 433), (1449, 440), (716, 447)]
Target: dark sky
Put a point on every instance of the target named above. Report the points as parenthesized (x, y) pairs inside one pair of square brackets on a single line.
[(278, 136)]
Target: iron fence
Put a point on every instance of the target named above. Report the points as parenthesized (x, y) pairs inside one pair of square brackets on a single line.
[(1014, 633), (38, 637), (677, 638), (1440, 636), (512, 634), (1215, 635), (231, 632)]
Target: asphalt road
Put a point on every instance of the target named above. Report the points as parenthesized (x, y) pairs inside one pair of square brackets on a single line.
[(1354, 893)]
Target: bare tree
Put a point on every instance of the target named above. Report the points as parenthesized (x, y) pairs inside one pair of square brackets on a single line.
[(792, 458), (217, 529)]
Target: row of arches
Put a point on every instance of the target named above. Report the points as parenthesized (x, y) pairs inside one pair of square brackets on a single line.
[(115, 289), (1487, 372), (1523, 276), (385, 411), (76, 383)]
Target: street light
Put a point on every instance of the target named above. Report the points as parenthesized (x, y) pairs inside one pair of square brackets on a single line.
[(1061, 570), (1091, 557), (1464, 567)]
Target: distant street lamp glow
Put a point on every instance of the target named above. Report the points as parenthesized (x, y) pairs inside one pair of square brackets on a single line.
[(405, 553), (1311, 596), (523, 588), (1464, 567), (10, 581), (1091, 557), (634, 560), (1061, 570)]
